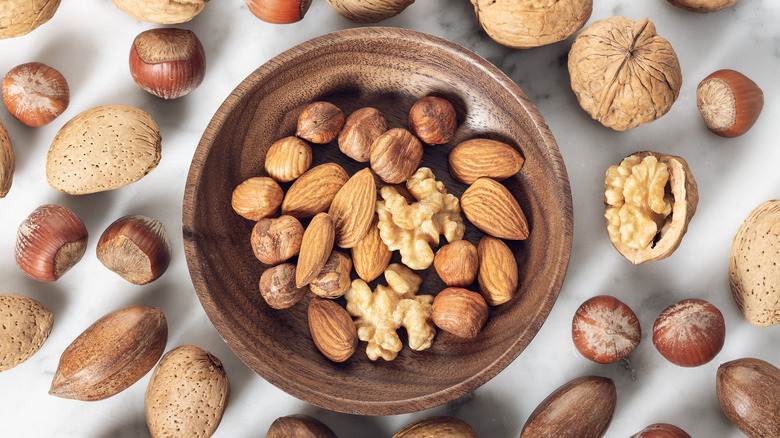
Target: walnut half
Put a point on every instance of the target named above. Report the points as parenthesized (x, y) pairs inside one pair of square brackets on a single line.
[(650, 198)]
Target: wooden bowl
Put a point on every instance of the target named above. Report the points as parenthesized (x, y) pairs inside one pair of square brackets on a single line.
[(388, 69)]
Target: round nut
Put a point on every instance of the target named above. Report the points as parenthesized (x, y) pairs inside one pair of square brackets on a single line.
[(168, 63), (21, 17), (275, 240), (395, 155), (457, 263), (279, 12), (460, 312), (359, 132), (333, 281), (35, 93), (287, 159), (299, 425), (605, 330), (257, 198), (729, 102), (135, 247), (433, 120), (689, 333), (320, 122), (661, 430), (277, 286)]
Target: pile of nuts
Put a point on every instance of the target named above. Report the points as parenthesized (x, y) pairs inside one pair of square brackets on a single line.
[(392, 205)]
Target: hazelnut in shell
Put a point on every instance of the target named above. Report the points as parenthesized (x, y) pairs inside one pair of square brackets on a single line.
[(605, 330), (135, 247), (689, 333), (279, 11), (167, 62), (35, 93), (729, 102)]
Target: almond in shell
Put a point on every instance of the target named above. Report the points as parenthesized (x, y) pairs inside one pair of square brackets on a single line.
[(371, 256), (332, 329), (498, 274), (112, 354), (314, 191), (352, 210), (316, 247), (25, 324), (437, 427), (7, 162), (493, 209), (187, 394), (482, 157)]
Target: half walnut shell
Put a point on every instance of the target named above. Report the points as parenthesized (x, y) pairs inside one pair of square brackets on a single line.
[(650, 198)]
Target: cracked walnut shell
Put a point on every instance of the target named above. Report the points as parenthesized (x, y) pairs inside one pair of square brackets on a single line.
[(623, 73), (650, 198)]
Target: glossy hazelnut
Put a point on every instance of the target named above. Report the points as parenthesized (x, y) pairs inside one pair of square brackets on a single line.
[(135, 247), (35, 93), (49, 242), (729, 102), (433, 120), (279, 11), (276, 240), (167, 62), (320, 122), (333, 281), (689, 333), (460, 312), (605, 329)]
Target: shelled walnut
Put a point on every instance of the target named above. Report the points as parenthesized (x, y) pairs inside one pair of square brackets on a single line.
[(650, 198)]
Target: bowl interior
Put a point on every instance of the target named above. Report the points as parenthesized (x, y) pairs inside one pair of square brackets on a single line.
[(388, 69)]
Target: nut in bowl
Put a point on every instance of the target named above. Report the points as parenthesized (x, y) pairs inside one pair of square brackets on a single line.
[(388, 69)]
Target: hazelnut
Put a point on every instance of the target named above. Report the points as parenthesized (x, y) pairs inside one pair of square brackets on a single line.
[(135, 247), (320, 122), (729, 102), (605, 329), (276, 240), (395, 155), (689, 333), (49, 242), (279, 11), (168, 62), (661, 430), (433, 120), (35, 93), (457, 263), (257, 197), (360, 130), (287, 159), (333, 281), (460, 312), (277, 286), (498, 276)]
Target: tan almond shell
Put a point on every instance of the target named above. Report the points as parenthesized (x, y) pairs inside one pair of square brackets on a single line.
[(686, 199), (161, 11), (26, 324), (526, 24), (187, 394), (754, 275), (103, 148), (437, 427), (352, 209), (7, 162), (703, 5), (20, 17), (369, 11)]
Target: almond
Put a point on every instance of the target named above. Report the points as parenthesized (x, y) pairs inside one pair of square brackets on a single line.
[(112, 354), (493, 209), (332, 329), (302, 426), (316, 247), (7, 162), (396, 155), (748, 391), (497, 271), (460, 312), (103, 148), (371, 256), (481, 157), (25, 325), (313, 191), (353, 208), (437, 427), (187, 394), (581, 408), (333, 281)]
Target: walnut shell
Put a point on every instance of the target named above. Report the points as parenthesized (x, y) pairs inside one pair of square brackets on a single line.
[(522, 24), (623, 73), (20, 17)]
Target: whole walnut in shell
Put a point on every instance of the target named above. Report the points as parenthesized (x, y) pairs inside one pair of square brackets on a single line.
[(703, 5), (522, 24), (20, 17), (623, 73)]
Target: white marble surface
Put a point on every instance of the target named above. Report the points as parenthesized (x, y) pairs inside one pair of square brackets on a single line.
[(88, 41)]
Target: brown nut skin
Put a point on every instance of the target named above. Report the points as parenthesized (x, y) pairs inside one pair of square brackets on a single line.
[(277, 286), (703, 6), (494, 210), (353, 209), (314, 191), (275, 240), (256, 198), (661, 430), (748, 391), (433, 120), (167, 62), (299, 426), (457, 263), (332, 329), (498, 275), (581, 408), (437, 427), (112, 354), (320, 122), (460, 312), (482, 157), (7, 162), (395, 155), (605, 330), (316, 248), (279, 11), (135, 247), (689, 333), (333, 281), (359, 132), (35, 93), (50, 241), (21, 17), (729, 102), (361, 11), (371, 256), (287, 159)]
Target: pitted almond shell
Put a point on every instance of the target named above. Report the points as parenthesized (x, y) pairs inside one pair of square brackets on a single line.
[(25, 325), (353, 208), (103, 148), (482, 157), (7, 162), (314, 191), (492, 208)]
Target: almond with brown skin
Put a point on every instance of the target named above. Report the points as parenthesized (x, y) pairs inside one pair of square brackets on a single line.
[(333, 281), (371, 256), (314, 191), (482, 157), (493, 209), (661, 430), (332, 329), (360, 130), (749, 393), (498, 274), (7, 162), (396, 155), (299, 426), (25, 324), (581, 408), (353, 208), (316, 247), (112, 354), (437, 427)]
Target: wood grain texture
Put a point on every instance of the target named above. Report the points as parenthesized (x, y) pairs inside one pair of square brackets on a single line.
[(388, 69)]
